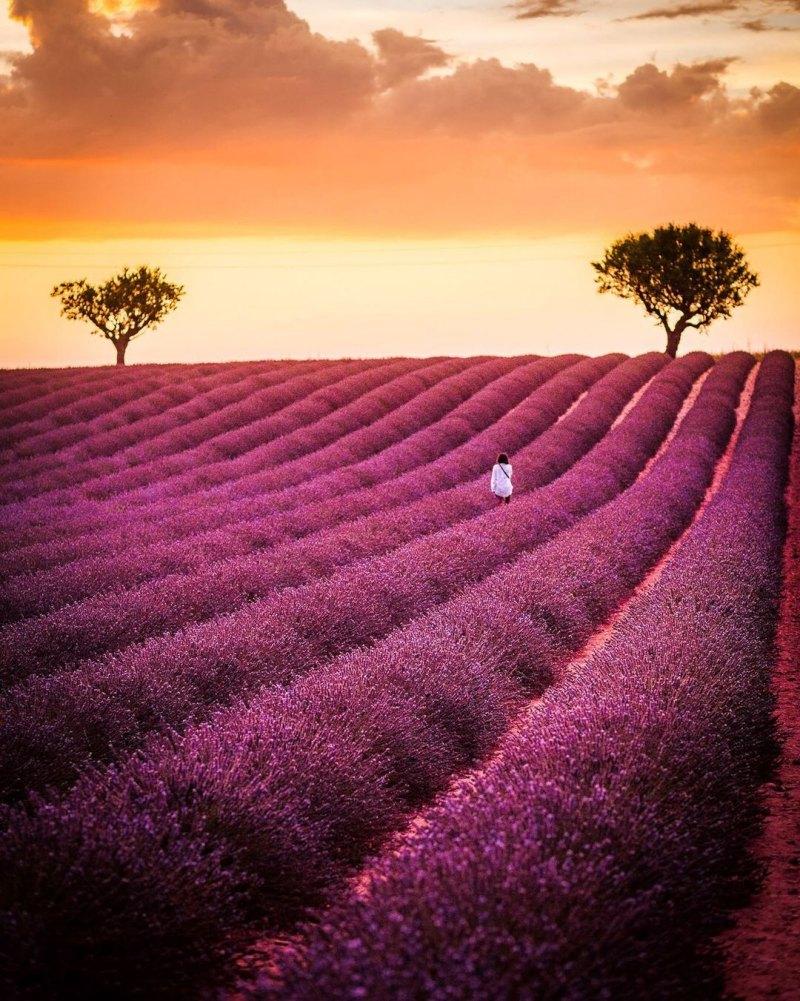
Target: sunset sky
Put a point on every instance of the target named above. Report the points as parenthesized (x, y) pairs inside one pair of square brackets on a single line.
[(416, 177)]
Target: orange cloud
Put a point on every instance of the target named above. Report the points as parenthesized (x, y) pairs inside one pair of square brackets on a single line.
[(233, 112), (187, 70), (403, 57), (649, 89), (486, 96)]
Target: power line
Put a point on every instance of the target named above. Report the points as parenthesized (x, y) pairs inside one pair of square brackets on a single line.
[(326, 265), (308, 266)]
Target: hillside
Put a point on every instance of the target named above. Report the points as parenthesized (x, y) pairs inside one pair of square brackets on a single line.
[(291, 698)]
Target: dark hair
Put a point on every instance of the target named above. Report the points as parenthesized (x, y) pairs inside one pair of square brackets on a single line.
[(503, 458)]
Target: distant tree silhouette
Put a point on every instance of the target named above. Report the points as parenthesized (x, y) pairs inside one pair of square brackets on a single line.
[(685, 276), (123, 307)]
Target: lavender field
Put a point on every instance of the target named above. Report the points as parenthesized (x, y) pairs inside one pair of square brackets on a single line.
[(293, 709)]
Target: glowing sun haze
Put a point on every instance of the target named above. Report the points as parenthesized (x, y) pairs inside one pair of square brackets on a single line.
[(414, 178)]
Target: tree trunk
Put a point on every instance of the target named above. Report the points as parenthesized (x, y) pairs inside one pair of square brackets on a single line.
[(121, 347), (673, 340)]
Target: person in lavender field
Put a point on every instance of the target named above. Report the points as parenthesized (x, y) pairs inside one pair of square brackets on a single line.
[(502, 486)]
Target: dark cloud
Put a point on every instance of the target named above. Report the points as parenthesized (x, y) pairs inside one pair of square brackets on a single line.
[(758, 24), (530, 9), (694, 8), (403, 57), (687, 88), (182, 69), (778, 110)]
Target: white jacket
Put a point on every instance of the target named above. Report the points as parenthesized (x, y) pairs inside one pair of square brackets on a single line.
[(501, 479)]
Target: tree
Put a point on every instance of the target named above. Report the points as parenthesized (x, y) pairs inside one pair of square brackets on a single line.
[(123, 307), (685, 276)]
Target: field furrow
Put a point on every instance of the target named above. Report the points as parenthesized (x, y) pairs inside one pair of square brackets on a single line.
[(293, 404), (123, 697), (599, 849), (96, 625), (480, 408), (172, 405), (30, 594), (265, 807)]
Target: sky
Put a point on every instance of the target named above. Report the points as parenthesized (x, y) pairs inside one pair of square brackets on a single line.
[(418, 177)]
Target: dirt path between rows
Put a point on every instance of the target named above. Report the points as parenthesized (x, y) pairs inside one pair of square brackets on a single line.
[(762, 950)]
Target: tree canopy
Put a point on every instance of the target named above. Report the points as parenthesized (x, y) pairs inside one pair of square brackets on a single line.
[(684, 276), (123, 307)]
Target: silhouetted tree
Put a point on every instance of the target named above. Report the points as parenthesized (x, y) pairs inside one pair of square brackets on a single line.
[(123, 307), (685, 276)]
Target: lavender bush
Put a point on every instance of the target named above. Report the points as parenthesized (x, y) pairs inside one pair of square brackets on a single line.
[(164, 682), (597, 852), (35, 593), (134, 881), (294, 406), (175, 403), (229, 583), (167, 519)]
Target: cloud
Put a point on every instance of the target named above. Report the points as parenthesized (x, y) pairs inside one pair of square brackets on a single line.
[(183, 70), (531, 9), (121, 104), (779, 109), (758, 24), (403, 57), (695, 87), (486, 96), (694, 8)]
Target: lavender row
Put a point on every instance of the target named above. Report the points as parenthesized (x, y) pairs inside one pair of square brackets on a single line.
[(261, 811), (456, 404), (21, 384), (96, 405), (42, 396), (597, 854), (175, 404), (329, 388), (430, 392), (169, 521), (36, 379), (22, 388), (250, 450), (83, 391), (281, 392), (220, 441), (102, 708), (84, 402), (31, 593), (107, 622), (263, 394)]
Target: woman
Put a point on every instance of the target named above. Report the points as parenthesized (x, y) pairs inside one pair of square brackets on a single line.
[(501, 478)]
